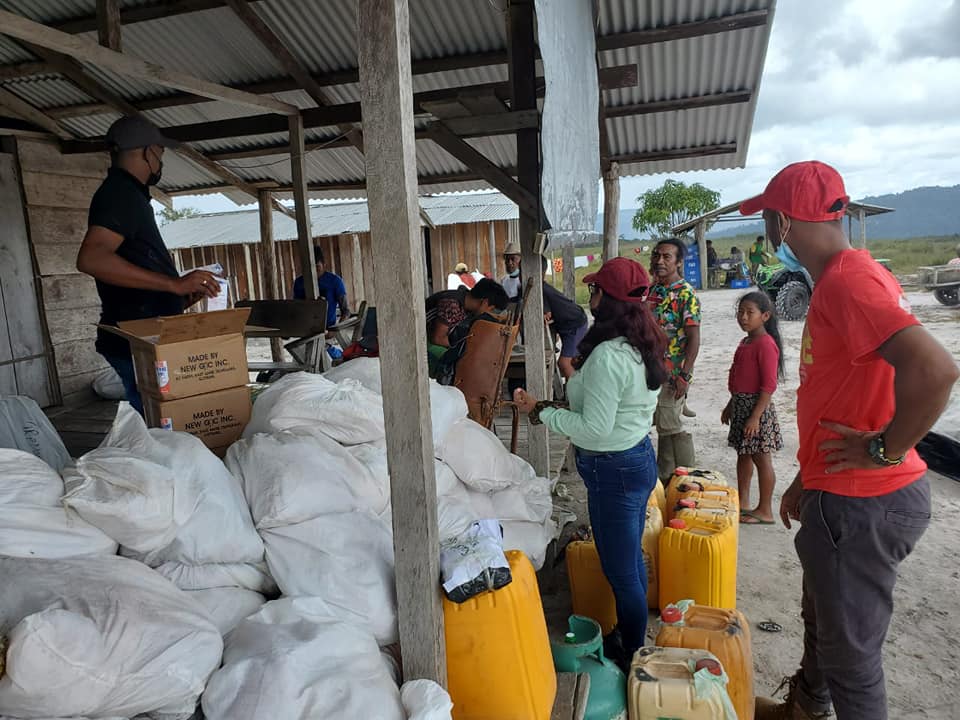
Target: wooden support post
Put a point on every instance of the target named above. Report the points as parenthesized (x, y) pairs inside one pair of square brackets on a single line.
[(268, 255), (862, 217), (850, 228), (569, 271), (356, 259), (492, 243), (108, 24), (387, 99), (523, 89), (700, 233), (301, 203), (611, 211)]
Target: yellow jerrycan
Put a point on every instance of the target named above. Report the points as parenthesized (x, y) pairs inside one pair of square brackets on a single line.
[(686, 480), (698, 561), (499, 663), (663, 686)]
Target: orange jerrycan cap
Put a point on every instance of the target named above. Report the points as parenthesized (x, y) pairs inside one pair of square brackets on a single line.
[(709, 664), (678, 524), (681, 471), (686, 503)]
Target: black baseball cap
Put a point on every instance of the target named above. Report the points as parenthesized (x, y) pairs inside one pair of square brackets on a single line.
[(133, 131)]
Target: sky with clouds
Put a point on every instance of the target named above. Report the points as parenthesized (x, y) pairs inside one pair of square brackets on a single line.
[(869, 86)]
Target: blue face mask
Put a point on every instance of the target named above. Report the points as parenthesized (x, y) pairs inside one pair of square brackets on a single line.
[(785, 254)]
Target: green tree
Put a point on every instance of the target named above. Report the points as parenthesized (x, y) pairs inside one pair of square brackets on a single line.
[(672, 203), (168, 216)]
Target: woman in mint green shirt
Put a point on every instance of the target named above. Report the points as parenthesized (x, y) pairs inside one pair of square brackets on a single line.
[(612, 398)]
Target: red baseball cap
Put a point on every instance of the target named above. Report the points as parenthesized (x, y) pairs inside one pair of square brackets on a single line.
[(809, 191), (622, 279)]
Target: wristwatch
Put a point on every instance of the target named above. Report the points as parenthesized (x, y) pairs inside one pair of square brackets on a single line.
[(878, 453), (683, 375)]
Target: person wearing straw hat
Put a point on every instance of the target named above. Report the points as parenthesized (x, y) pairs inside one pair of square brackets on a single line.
[(123, 250), (512, 282)]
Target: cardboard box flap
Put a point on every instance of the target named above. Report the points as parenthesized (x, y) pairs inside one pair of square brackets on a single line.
[(189, 326)]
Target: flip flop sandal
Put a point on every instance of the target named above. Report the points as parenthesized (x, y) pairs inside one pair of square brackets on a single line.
[(770, 626), (753, 519)]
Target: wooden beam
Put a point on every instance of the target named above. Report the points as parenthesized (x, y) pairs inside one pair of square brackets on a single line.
[(145, 13), (611, 211), (685, 103), (301, 205), (684, 31), (161, 197), (386, 93), (24, 110), (108, 24), (525, 199), (499, 124), (522, 66), (268, 257), (700, 234), (24, 69), (676, 153), (83, 50)]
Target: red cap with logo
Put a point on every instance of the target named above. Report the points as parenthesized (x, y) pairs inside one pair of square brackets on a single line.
[(809, 191), (622, 279)]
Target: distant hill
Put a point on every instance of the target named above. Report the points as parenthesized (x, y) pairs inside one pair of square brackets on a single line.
[(921, 212)]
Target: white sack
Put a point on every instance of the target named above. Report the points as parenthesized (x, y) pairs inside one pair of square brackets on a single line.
[(136, 502), (278, 664), (346, 411), (228, 606), (531, 501), (482, 504), (425, 700), (27, 480), (344, 558), (292, 476), (455, 513), (100, 637), (250, 576), (24, 426), (530, 538), (364, 370), (108, 385), (30, 531), (479, 458)]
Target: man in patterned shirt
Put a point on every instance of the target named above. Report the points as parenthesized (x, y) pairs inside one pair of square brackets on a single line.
[(677, 307)]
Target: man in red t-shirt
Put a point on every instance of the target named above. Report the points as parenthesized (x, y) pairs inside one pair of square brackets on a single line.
[(872, 383)]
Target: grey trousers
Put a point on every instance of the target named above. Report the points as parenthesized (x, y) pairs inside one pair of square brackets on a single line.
[(850, 549)]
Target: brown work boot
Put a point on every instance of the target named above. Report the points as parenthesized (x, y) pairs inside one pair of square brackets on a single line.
[(786, 709)]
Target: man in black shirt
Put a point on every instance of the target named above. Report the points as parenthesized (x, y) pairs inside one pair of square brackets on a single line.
[(135, 274), (568, 320)]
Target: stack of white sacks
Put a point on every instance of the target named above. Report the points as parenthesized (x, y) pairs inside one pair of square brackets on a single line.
[(301, 507)]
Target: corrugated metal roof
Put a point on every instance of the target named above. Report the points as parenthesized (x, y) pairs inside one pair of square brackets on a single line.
[(243, 227), (215, 45)]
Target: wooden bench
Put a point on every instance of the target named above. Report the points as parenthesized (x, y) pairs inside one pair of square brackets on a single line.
[(572, 692)]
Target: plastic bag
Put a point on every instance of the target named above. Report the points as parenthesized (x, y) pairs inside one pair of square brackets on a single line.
[(530, 538), (27, 480), (473, 562), (108, 385), (531, 502), (343, 558), (279, 664), (455, 512), (101, 637), (425, 700), (365, 371), (24, 426), (281, 478), (345, 411)]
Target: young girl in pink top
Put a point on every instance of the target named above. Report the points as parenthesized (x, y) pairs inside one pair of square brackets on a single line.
[(754, 429)]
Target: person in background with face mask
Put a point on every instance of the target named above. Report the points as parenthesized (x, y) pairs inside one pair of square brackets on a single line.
[(872, 383), (122, 249), (511, 282)]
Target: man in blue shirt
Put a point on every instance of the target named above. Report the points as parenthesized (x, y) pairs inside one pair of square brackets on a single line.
[(331, 289)]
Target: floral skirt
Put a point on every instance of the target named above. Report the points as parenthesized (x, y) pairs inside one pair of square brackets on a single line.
[(769, 439)]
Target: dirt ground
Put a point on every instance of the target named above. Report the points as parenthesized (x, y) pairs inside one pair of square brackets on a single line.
[(922, 651)]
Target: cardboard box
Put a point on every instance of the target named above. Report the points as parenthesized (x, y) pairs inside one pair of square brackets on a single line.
[(184, 355), (217, 418)]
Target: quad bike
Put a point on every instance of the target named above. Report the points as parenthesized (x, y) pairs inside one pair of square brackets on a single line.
[(944, 280), (790, 291)]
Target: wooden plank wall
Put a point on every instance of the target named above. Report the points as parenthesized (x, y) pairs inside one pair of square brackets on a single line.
[(470, 244), (57, 190)]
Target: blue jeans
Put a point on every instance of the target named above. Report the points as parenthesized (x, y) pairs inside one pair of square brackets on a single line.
[(618, 487), (124, 367)]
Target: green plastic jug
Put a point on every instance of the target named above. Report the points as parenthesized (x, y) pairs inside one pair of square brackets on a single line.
[(582, 651)]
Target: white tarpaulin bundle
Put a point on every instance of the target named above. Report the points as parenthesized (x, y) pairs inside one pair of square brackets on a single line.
[(170, 503), (24, 426), (425, 700), (100, 637), (33, 523), (227, 606), (292, 661)]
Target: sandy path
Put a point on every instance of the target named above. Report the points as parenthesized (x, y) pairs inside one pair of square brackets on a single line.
[(922, 653)]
